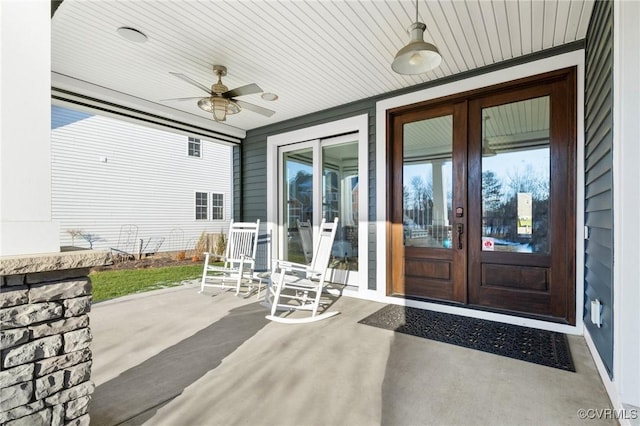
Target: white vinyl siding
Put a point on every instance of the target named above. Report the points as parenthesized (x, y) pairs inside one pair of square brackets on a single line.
[(107, 174)]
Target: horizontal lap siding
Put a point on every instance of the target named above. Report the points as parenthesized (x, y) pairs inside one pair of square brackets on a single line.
[(599, 178), (254, 172), (148, 180), (237, 182), (254, 179), (373, 244)]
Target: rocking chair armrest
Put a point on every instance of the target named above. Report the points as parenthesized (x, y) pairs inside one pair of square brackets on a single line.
[(243, 259), (290, 266)]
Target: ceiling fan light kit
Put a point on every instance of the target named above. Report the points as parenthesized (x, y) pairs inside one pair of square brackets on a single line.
[(219, 107), (418, 56), (217, 104)]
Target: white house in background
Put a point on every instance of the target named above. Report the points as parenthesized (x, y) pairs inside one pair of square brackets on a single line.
[(132, 187)]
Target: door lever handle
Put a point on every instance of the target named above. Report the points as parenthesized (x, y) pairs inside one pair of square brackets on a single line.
[(460, 230)]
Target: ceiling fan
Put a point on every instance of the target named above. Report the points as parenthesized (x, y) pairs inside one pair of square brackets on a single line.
[(221, 101)]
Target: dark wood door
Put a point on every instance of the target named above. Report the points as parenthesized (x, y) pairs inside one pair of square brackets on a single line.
[(521, 200), (428, 240), (482, 198)]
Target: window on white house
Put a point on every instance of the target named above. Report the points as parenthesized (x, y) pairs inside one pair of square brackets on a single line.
[(201, 205), (217, 206), (194, 147)]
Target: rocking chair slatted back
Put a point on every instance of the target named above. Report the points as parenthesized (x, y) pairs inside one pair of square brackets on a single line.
[(306, 238), (263, 253), (239, 259), (242, 244), (324, 244)]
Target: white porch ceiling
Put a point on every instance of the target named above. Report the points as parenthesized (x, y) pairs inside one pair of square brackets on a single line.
[(313, 54)]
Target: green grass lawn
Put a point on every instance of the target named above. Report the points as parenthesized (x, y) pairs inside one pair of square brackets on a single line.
[(117, 283)]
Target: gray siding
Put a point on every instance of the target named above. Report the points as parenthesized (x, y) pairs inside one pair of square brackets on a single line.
[(599, 177), (372, 199), (254, 171), (237, 182)]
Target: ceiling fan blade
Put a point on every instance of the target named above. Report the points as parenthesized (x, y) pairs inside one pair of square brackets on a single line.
[(191, 81), (182, 99), (249, 89), (255, 108)]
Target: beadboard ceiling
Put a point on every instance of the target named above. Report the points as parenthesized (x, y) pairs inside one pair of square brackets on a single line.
[(313, 54)]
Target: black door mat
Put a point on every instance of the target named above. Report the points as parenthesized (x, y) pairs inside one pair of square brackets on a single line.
[(526, 344)]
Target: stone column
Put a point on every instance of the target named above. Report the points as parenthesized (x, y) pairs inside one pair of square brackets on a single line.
[(45, 359)]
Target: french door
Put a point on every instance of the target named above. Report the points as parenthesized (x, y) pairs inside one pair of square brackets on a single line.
[(428, 163), (319, 179), (482, 198)]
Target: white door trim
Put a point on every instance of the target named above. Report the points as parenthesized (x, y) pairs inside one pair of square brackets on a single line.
[(575, 58), (359, 124)]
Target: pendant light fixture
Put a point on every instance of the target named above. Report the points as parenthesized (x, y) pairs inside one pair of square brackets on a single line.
[(487, 151), (418, 56)]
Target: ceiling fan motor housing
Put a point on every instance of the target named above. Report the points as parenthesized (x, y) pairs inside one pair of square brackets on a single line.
[(218, 88)]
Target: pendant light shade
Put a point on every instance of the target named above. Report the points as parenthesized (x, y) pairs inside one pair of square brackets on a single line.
[(487, 150), (418, 56)]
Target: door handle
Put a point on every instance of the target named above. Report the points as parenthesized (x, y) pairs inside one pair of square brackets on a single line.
[(460, 231)]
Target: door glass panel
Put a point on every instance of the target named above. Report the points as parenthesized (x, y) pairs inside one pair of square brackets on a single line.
[(340, 199), (298, 200), (427, 182), (515, 177)]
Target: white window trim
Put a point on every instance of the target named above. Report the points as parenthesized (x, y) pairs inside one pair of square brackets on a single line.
[(223, 205), (359, 124), (195, 211), (191, 140)]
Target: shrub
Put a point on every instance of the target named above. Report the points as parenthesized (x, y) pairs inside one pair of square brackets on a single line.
[(221, 245)]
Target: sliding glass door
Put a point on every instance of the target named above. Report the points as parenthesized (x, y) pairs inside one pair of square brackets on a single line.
[(320, 180)]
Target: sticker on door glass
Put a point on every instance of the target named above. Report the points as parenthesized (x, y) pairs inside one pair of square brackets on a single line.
[(488, 243), (525, 213)]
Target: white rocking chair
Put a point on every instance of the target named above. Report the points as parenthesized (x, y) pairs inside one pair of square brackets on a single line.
[(298, 286), (239, 259), (262, 269), (306, 238)]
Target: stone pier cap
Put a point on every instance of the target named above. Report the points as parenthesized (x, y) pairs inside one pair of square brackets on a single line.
[(46, 262)]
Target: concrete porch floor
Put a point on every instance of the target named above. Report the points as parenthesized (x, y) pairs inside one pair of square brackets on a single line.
[(176, 357)]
